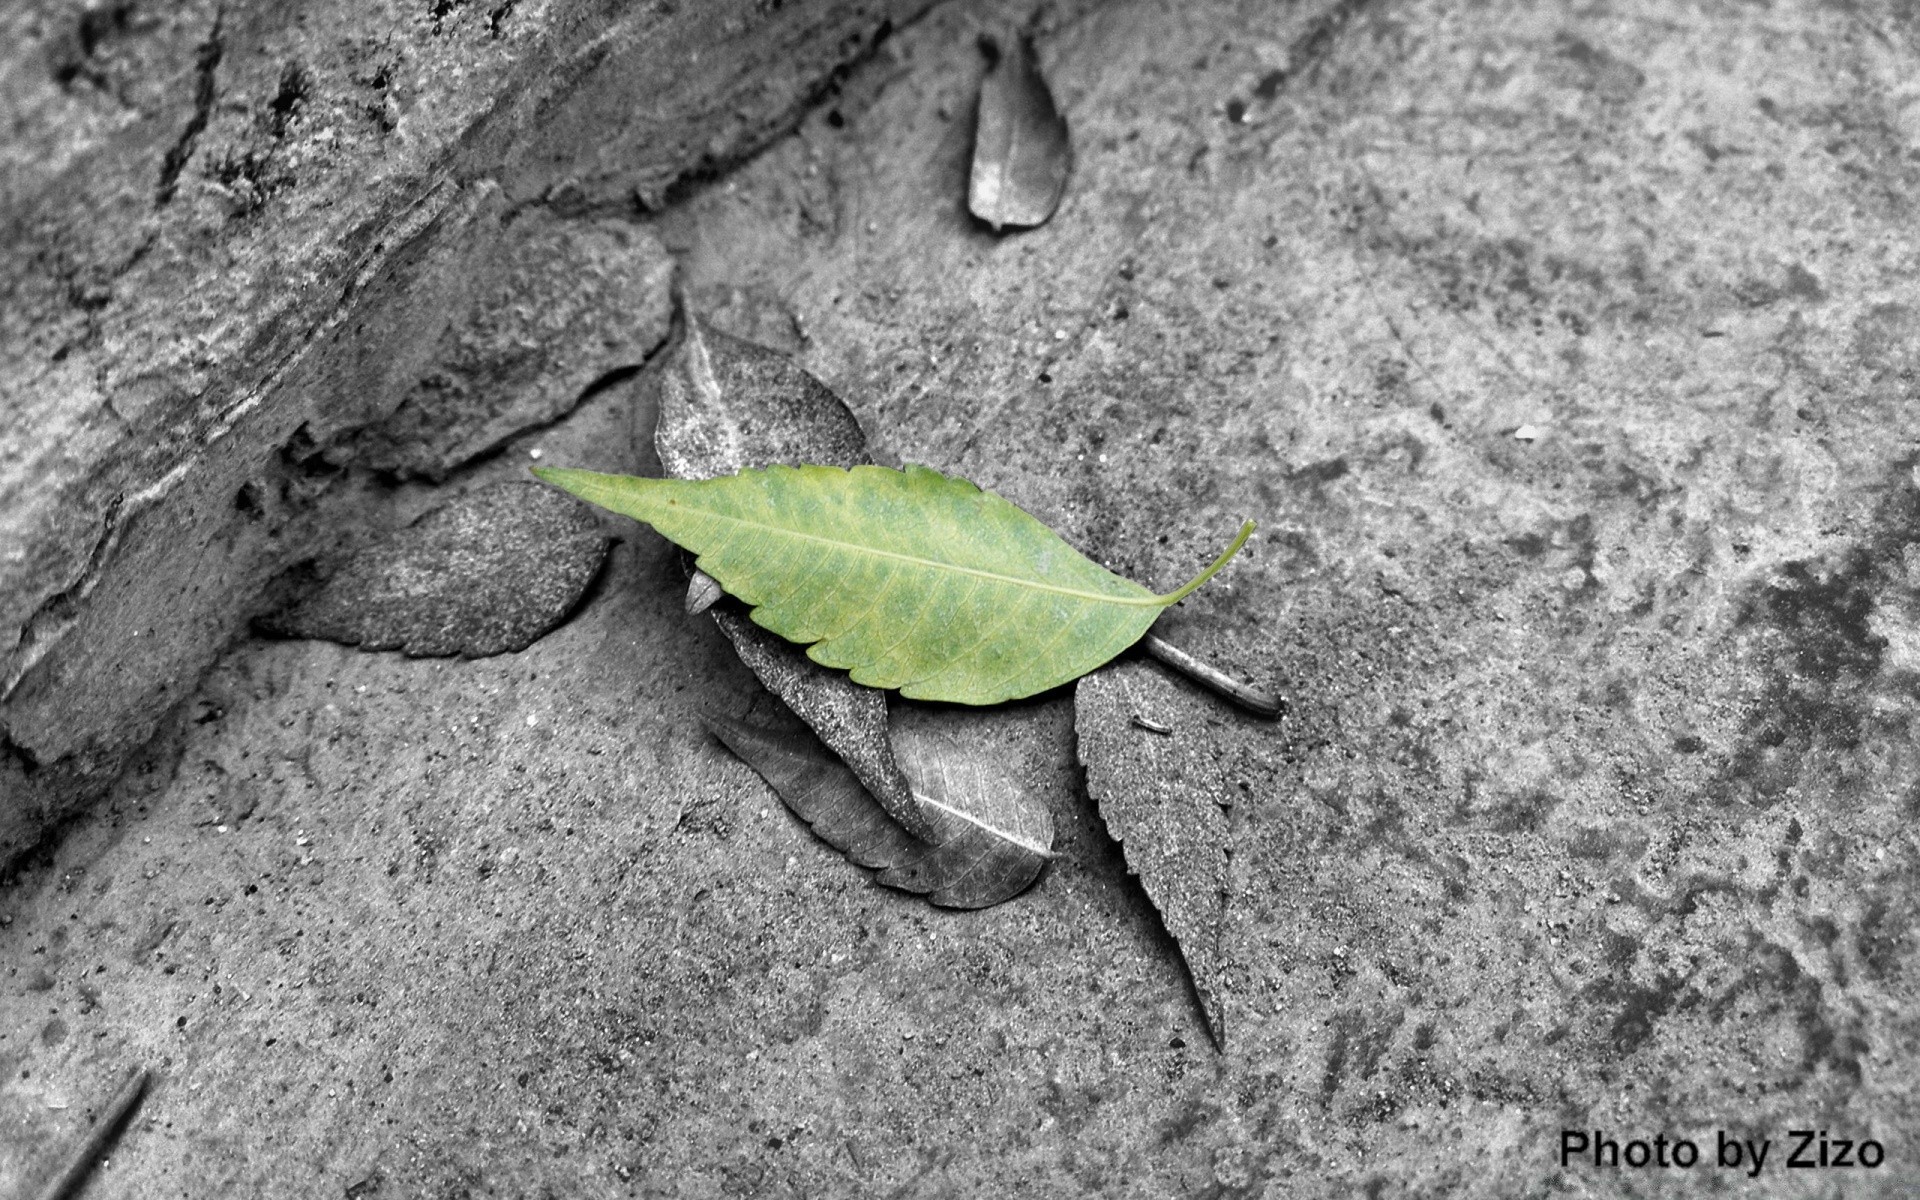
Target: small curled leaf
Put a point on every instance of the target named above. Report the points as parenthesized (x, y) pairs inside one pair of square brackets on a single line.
[(702, 593), (909, 579), (1020, 146)]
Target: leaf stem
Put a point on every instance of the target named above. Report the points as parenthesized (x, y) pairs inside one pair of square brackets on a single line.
[(1252, 699), (1172, 598)]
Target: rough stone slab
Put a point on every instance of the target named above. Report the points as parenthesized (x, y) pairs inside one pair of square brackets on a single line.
[(243, 235), (184, 563), (537, 308)]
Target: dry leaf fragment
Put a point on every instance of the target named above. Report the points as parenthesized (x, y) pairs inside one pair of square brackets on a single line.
[(995, 833), (486, 573), (726, 405), (980, 771), (1163, 800), (702, 593), (1021, 153), (850, 719)]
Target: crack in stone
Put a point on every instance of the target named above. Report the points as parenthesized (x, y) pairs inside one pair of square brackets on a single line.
[(715, 165), (206, 63), (58, 611)]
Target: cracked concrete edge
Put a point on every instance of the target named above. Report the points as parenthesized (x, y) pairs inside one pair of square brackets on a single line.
[(124, 616)]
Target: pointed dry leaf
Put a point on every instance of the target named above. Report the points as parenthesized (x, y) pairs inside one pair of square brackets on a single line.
[(850, 719), (1020, 149), (486, 573), (1164, 799), (818, 787), (995, 835), (726, 404)]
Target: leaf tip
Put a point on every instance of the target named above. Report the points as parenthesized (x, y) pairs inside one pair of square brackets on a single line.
[(567, 479)]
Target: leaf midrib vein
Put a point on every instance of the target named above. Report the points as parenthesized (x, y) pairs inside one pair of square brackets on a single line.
[(1148, 601), (1005, 835)]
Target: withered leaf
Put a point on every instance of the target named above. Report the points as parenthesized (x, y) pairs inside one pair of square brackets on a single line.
[(1165, 800), (725, 405), (486, 573), (995, 828), (1021, 153), (980, 772), (702, 593)]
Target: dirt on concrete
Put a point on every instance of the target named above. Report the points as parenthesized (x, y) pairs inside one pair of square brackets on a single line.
[(1566, 360)]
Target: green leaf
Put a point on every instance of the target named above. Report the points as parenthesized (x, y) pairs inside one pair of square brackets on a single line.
[(908, 579)]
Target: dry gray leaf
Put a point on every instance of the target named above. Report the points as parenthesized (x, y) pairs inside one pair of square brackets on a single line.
[(702, 593), (1164, 799), (1021, 154), (979, 770), (486, 573), (726, 405), (996, 828)]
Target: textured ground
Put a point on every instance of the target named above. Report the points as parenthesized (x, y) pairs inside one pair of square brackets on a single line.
[(1567, 362)]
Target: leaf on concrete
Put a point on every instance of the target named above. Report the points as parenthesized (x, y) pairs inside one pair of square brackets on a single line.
[(907, 579), (1163, 797), (726, 404), (1020, 149), (487, 573), (994, 830)]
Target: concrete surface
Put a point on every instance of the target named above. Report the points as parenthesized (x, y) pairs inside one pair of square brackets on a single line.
[(1566, 360)]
